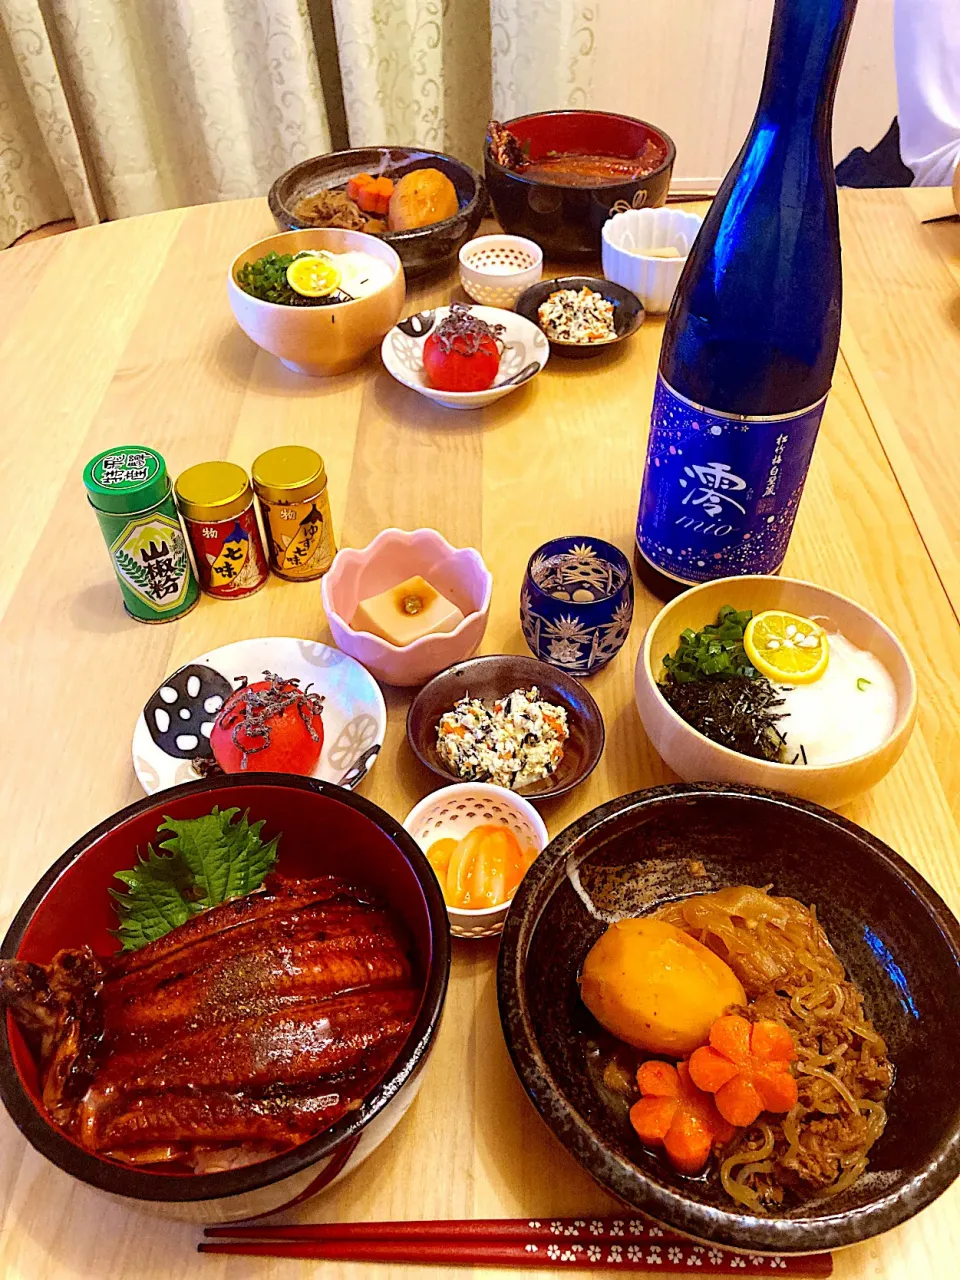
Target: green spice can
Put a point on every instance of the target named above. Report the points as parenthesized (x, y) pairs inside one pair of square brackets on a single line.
[(130, 491)]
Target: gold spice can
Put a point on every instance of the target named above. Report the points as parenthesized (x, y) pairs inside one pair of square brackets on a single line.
[(216, 504), (291, 486)]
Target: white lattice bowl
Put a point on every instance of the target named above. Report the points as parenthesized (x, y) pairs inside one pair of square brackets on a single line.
[(453, 812), (495, 270)]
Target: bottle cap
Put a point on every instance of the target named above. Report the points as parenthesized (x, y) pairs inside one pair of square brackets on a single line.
[(213, 491), (126, 479), (291, 473)]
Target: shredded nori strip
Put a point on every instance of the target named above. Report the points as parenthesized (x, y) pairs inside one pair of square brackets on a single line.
[(738, 712)]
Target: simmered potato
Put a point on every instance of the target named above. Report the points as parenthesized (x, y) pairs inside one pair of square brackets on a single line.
[(655, 987)]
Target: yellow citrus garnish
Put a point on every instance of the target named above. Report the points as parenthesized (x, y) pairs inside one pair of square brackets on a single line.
[(786, 648), (313, 276)]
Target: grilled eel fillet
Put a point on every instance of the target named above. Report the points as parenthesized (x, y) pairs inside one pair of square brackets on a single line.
[(253, 1026)]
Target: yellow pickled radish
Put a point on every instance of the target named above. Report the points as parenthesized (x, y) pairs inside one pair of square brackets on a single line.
[(786, 648), (313, 276)]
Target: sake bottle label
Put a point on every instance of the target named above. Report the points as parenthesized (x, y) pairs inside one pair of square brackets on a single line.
[(720, 493)]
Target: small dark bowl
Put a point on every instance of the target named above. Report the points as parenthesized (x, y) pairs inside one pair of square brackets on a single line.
[(492, 677), (895, 936), (420, 250), (628, 312), (324, 829), (566, 221)]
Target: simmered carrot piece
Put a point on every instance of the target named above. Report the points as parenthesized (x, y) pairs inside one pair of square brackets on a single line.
[(746, 1066), (674, 1114)]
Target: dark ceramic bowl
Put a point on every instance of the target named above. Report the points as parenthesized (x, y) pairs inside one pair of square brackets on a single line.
[(898, 940), (565, 221), (493, 677), (628, 312), (324, 829), (576, 603), (421, 250)]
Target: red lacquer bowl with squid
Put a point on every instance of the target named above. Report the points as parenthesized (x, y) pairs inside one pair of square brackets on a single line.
[(244, 1061)]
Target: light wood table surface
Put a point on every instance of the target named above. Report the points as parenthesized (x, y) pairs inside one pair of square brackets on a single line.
[(122, 334)]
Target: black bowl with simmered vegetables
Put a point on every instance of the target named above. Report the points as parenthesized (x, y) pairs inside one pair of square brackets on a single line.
[(420, 249), (895, 937)]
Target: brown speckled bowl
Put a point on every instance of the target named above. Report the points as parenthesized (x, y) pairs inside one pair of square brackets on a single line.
[(896, 937), (422, 249), (492, 677)]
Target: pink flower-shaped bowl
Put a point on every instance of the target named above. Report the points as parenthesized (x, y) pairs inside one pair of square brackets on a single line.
[(394, 555)]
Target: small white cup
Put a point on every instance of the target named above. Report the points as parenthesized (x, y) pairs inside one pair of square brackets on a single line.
[(495, 270), (627, 239)]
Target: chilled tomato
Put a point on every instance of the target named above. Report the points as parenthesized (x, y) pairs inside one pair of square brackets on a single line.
[(463, 352), (457, 369), (270, 726)]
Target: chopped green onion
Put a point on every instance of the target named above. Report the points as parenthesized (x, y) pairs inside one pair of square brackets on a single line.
[(714, 653), (862, 683)]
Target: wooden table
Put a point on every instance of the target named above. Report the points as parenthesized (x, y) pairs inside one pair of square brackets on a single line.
[(123, 334)]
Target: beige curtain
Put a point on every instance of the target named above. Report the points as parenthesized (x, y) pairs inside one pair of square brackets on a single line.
[(110, 108), (543, 54), (416, 72)]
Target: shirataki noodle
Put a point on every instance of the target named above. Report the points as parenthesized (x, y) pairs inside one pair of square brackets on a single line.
[(790, 972)]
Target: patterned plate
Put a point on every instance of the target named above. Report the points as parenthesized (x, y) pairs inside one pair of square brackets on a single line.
[(174, 727), (525, 352)]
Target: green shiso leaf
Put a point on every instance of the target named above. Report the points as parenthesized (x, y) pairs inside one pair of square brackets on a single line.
[(207, 861)]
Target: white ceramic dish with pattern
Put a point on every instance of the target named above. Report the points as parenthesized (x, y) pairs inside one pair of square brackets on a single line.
[(454, 811), (495, 270), (173, 729), (525, 352), (627, 239)]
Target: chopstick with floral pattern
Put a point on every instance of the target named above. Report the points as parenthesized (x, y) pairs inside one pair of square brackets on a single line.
[(626, 1244)]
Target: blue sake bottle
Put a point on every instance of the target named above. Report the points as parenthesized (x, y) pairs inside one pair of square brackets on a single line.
[(751, 340)]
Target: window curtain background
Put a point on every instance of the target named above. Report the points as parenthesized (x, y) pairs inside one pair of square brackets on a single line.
[(110, 108)]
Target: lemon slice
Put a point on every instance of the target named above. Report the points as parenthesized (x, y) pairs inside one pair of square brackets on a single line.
[(786, 648), (313, 276)]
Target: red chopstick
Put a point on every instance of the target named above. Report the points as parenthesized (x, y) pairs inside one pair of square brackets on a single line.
[(631, 1244)]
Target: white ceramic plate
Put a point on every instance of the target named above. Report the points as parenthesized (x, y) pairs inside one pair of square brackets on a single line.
[(175, 723), (525, 352)]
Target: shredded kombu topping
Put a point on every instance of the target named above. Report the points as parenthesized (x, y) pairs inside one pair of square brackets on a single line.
[(249, 717), (465, 331)]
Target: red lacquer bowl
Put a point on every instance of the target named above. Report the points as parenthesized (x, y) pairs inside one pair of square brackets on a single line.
[(324, 830), (566, 221)]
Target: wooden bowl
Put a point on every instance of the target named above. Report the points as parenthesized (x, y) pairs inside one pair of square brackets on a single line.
[(421, 250), (320, 341), (895, 936), (697, 759), (492, 677)]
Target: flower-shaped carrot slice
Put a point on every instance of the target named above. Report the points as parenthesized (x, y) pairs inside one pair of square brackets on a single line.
[(746, 1066), (674, 1114)]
